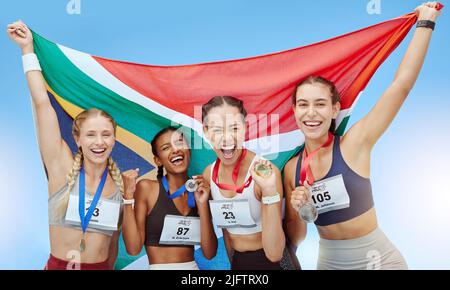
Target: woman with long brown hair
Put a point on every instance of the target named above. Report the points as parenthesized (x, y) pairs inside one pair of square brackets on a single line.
[(332, 174)]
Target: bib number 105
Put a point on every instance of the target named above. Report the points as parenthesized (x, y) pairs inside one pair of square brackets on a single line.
[(321, 197)]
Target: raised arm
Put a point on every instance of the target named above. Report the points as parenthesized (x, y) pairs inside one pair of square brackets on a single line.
[(368, 130), (56, 154)]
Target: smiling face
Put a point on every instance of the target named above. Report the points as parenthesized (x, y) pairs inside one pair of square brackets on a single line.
[(314, 109), (96, 137), (224, 126), (172, 152)]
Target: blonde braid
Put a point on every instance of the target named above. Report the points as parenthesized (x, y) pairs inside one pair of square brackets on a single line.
[(114, 171), (71, 179), (115, 174)]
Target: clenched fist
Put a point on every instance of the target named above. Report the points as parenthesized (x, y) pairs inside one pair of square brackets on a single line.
[(129, 182), (299, 197)]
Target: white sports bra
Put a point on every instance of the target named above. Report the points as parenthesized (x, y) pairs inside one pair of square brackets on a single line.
[(248, 194)]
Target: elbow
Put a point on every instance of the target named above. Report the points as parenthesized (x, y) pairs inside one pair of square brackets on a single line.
[(295, 231), (276, 254), (274, 257), (210, 250), (209, 255), (133, 250), (403, 84), (301, 237), (294, 238), (41, 103)]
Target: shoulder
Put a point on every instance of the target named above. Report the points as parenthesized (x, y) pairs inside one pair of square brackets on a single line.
[(147, 183), (352, 148), (353, 139), (290, 170), (58, 175), (291, 165), (146, 188), (207, 171)]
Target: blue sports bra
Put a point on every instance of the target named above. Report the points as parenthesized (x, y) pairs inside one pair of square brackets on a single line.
[(359, 189)]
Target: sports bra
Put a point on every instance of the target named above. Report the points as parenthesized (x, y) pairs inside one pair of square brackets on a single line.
[(56, 199), (359, 189), (248, 194), (154, 222)]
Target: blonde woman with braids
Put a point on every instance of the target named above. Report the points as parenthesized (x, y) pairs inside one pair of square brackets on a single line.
[(79, 239)]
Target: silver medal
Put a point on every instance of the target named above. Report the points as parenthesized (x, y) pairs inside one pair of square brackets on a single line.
[(191, 185), (308, 212)]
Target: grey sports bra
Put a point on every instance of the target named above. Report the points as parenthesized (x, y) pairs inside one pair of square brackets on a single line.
[(55, 200)]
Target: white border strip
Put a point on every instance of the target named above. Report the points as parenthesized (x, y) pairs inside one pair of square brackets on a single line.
[(88, 65)]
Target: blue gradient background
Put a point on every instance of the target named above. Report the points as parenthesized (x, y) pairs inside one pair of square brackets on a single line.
[(410, 164)]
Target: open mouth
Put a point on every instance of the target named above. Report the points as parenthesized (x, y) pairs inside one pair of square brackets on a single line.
[(228, 151), (177, 160), (98, 152), (312, 124)]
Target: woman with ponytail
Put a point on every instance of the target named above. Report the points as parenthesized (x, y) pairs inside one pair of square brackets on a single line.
[(85, 191), (332, 173), (169, 217)]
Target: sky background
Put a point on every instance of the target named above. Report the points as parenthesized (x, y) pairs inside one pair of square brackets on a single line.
[(410, 164)]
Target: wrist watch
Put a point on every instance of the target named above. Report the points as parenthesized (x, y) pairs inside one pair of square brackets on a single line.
[(426, 24), (267, 200)]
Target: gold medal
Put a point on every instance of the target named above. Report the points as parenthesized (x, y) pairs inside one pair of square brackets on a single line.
[(83, 244), (263, 170)]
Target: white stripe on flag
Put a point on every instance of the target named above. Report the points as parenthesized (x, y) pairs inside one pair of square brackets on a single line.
[(262, 146)]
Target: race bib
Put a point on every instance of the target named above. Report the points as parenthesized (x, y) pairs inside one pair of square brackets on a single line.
[(232, 214), (330, 194), (180, 230), (105, 216)]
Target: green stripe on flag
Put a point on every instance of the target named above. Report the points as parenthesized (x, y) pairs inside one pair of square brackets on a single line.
[(341, 129), (71, 84)]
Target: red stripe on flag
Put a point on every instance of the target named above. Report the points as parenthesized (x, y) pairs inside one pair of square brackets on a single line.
[(266, 83)]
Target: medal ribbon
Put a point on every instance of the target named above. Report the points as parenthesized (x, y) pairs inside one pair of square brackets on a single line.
[(85, 219), (179, 192), (305, 170), (235, 188)]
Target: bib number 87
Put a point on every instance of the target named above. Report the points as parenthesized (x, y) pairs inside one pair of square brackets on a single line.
[(182, 231), (321, 197)]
